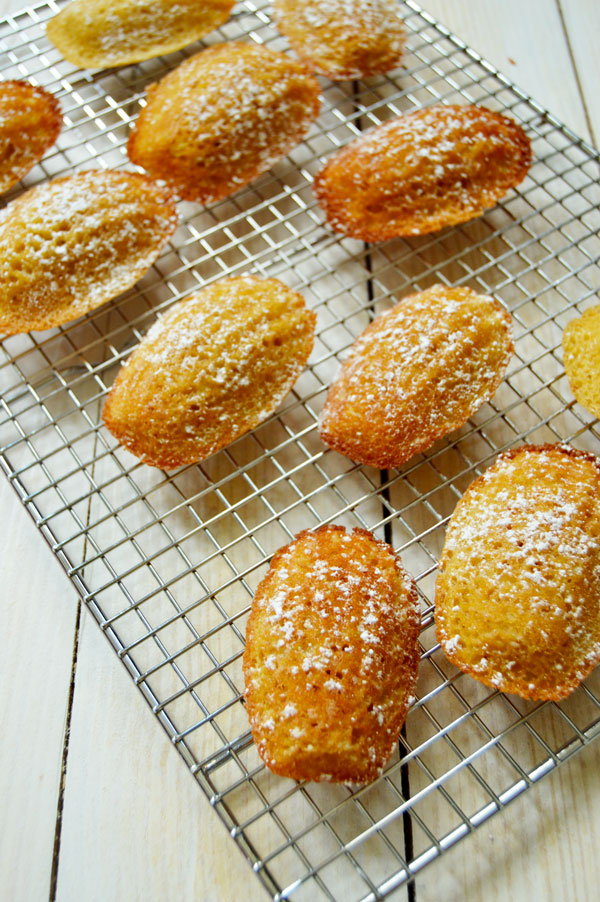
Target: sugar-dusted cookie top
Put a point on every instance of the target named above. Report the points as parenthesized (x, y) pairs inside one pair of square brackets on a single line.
[(30, 122), (422, 171), (343, 38), (223, 117), (416, 373), (99, 34), (70, 244), (213, 367), (331, 656), (518, 593)]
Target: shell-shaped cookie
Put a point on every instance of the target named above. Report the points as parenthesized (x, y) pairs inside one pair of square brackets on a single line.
[(518, 593), (222, 118), (99, 34), (581, 351), (69, 245), (213, 367), (30, 122), (416, 373), (343, 38), (331, 656), (422, 171)]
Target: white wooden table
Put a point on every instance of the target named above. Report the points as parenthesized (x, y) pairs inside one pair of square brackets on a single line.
[(96, 805)]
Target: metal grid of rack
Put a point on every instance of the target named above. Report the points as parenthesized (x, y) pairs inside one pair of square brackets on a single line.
[(167, 562)]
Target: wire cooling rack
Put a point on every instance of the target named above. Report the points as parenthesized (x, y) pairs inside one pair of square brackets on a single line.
[(167, 563)]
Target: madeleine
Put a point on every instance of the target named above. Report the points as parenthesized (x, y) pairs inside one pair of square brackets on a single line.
[(71, 244), (416, 373), (518, 592), (216, 365), (422, 171), (223, 117), (99, 34), (331, 656), (30, 122)]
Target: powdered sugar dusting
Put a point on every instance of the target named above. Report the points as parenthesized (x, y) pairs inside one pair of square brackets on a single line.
[(519, 588), (343, 38), (416, 373), (70, 244), (422, 171), (343, 616)]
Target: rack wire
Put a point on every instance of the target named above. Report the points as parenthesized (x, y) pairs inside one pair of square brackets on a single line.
[(167, 562)]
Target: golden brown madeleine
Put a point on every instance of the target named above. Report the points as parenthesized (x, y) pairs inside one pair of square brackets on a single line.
[(98, 34), (331, 656), (71, 244), (30, 122), (422, 171), (222, 118), (581, 352), (213, 367), (518, 593), (343, 38), (416, 373)]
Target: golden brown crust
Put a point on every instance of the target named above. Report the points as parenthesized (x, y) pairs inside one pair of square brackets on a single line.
[(30, 123), (71, 244), (331, 656), (98, 34), (222, 118), (216, 365), (416, 373), (343, 39), (581, 351), (422, 171), (518, 593)]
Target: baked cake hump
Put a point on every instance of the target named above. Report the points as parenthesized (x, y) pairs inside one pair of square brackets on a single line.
[(343, 39), (331, 656), (518, 592), (416, 373), (71, 244), (216, 365), (422, 171), (30, 123), (100, 34), (223, 117)]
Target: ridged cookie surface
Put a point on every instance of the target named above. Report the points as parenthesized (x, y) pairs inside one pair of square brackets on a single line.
[(581, 351), (343, 38), (331, 656), (98, 34), (69, 245), (421, 172), (518, 593), (222, 118), (213, 367), (416, 373), (30, 122)]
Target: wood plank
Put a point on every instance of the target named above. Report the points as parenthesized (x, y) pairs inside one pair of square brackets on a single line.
[(135, 825), (524, 41), (582, 22), (38, 613)]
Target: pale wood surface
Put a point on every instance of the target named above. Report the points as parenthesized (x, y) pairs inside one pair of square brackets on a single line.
[(133, 824)]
